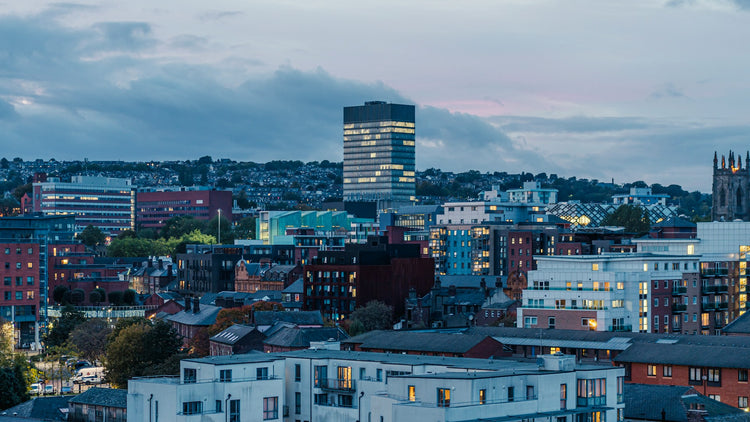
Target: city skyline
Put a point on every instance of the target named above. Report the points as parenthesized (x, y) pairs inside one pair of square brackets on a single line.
[(639, 90)]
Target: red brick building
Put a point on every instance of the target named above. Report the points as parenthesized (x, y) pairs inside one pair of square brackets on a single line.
[(153, 209), (715, 366), (336, 283)]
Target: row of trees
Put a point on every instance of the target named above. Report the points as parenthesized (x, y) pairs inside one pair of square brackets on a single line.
[(15, 372), (64, 296), (134, 347)]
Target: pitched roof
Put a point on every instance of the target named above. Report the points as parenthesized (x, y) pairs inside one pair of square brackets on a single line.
[(646, 402), (205, 317), (675, 222), (296, 287), (721, 356), (233, 334), (299, 317), (301, 337), (417, 341), (41, 408), (108, 397), (741, 325)]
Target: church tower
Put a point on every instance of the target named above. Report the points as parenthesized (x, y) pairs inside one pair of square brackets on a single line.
[(731, 183)]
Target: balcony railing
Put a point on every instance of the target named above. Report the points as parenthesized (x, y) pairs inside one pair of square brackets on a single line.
[(679, 290), (679, 308), (714, 271), (714, 306), (715, 289), (624, 328), (336, 384)]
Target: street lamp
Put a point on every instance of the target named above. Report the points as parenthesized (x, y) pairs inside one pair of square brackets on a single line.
[(218, 222)]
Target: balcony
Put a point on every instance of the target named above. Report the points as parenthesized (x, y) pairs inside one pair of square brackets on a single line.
[(679, 291), (714, 306), (677, 307), (718, 289), (718, 272), (621, 328), (336, 384)]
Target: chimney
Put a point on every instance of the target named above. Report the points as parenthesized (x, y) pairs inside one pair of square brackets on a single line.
[(196, 305), (499, 282), (187, 304), (160, 264), (451, 290)]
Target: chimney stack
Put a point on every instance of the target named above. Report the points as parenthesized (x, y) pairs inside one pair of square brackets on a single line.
[(187, 304), (196, 305)]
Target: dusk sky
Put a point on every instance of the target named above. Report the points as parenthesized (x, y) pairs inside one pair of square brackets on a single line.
[(630, 90)]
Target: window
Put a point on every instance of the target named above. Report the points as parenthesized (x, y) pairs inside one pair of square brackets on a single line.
[(225, 375), (656, 301), (7, 251), (592, 392), (345, 376), (656, 321), (321, 399), (7, 295), (551, 322), (218, 406), (320, 375), (695, 375), (667, 371), (297, 372), (742, 402), (30, 251), (261, 373), (482, 396), (270, 408), (30, 280), (19, 295), (563, 396), (620, 389), (189, 375), (19, 281), (529, 321), (234, 411), (511, 394), (713, 374), (192, 407), (6, 281), (30, 294), (30, 265), (346, 400), (651, 370), (297, 403), (362, 373), (714, 397), (379, 375), (443, 397), (742, 375), (412, 393), (18, 265), (529, 392)]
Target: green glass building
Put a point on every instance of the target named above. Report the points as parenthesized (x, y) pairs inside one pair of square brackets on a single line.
[(379, 152)]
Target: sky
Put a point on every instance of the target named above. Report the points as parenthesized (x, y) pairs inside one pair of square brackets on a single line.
[(619, 90)]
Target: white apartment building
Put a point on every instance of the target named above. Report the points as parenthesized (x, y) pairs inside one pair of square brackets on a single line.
[(332, 385), (608, 292), (533, 193)]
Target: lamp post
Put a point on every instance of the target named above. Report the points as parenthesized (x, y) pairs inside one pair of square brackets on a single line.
[(359, 406), (218, 222)]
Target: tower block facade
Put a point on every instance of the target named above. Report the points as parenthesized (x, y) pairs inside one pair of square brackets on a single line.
[(731, 183)]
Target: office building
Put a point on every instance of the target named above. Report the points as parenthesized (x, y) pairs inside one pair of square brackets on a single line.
[(379, 152), (155, 207), (104, 202)]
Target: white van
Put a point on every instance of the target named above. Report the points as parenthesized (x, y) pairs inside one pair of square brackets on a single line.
[(36, 388), (90, 375)]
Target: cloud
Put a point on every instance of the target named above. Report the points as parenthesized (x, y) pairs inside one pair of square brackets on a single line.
[(667, 90), (125, 36), (576, 124), (216, 15), (7, 111)]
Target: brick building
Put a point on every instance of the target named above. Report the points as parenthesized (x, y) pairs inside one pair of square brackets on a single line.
[(154, 208), (336, 283)]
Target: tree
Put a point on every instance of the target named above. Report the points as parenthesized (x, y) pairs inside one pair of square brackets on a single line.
[(13, 382), (59, 294), (199, 344), (95, 297), (77, 296), (212, 229), (178, 226), (90, 338), (376, 315), (115, 298), (129, 297), (91, 236), (22, 190), (245, 228), (632, 217), (69, 319), (140, 349), (125, 234), (230, 316)]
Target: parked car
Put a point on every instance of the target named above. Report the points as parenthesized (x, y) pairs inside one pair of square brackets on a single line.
[(66, 389), (88, 376), (36, 388), (81, 364), (49, 390)]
